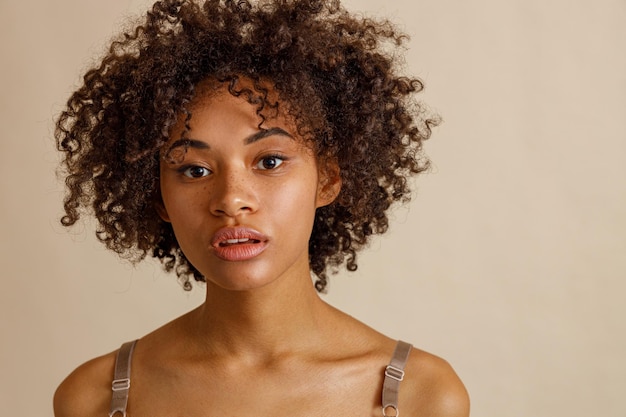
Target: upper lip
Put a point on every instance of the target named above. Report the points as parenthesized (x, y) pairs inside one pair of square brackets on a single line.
[(225, 234)]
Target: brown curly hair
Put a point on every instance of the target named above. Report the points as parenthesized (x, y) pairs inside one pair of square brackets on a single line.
[(336, 72)]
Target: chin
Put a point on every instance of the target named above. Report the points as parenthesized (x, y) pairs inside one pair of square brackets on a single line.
[(238, 277)]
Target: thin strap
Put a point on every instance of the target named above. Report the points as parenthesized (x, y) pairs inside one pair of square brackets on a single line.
[(394, 373), (121, 379)]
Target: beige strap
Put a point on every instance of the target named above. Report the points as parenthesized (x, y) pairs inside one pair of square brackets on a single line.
[(394, 374), (121, 379)]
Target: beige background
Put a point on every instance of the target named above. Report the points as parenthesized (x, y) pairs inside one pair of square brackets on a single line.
[(510, 262)]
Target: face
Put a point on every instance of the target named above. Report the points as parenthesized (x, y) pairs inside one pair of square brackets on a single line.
[(241, 199)]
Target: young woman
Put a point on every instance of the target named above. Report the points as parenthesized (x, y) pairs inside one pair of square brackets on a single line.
[(250, 146)]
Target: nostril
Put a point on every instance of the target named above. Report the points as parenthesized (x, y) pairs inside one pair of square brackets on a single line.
[(229, 200), (225, 209)]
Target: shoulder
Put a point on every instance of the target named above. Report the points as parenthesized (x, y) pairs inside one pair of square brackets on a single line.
[(87, 390), (433, 388)]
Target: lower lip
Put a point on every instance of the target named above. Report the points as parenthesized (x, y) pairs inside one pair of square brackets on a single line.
[(240, 251)]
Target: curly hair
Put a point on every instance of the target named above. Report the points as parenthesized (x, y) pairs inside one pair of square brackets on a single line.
[(336, 72)]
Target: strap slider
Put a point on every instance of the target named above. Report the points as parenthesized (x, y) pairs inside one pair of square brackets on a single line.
[(120, 384), (395, 373)]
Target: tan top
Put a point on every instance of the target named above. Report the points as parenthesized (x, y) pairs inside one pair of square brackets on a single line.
[(394, 374)]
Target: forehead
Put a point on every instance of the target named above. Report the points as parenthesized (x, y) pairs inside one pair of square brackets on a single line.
[(242, 112), (261, 94), (254, 103)]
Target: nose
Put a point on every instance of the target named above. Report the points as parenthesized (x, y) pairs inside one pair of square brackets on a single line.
[(233, 194)]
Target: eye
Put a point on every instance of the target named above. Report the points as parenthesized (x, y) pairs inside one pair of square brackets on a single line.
[(195, 171), (270, 162)]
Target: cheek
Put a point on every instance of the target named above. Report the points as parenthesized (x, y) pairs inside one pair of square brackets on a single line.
[(293, 203), (181, 207)]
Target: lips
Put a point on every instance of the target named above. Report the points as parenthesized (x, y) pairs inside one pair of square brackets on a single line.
[(238, 243)]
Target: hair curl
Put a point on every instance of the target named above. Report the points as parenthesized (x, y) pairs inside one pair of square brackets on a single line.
[(336, 71)]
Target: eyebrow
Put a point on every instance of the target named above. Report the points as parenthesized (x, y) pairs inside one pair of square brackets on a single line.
[(261, 134), (188, 143)]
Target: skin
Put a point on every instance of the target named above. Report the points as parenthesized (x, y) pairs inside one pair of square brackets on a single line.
[(263, 343)]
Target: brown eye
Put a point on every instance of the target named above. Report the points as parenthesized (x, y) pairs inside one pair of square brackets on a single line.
[(270, 162), (195, 172)]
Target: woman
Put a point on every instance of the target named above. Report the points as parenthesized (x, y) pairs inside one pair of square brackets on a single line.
[(249, 146)]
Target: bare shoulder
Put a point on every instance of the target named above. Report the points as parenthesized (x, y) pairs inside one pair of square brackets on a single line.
[(86, 391), (433, 388)]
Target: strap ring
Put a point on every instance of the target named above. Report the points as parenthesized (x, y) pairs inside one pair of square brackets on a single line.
[(394, 410)]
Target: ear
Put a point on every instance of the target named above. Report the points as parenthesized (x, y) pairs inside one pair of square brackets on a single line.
[(329, 183), (159, 206)]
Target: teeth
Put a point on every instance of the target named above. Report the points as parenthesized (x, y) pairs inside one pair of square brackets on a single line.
[(234, 241)]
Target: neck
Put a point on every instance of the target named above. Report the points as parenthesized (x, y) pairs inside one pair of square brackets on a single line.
[(262, 323)]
